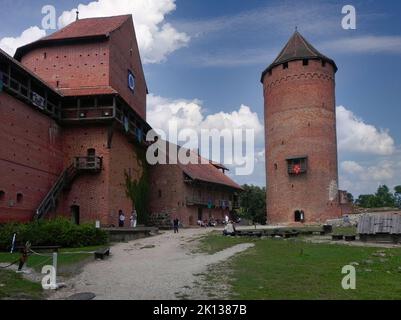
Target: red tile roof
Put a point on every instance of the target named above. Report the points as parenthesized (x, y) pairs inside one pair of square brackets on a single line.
[(207, 172), (86, 91), (79, 30), (298, 48), (89, 27)]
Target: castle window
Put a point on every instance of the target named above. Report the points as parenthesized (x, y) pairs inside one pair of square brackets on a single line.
[(285, 65), (323, 64), (275, 166), (20, 197), (299, 216), (297, 165), (160, 193), (2, 195), (305, 62)]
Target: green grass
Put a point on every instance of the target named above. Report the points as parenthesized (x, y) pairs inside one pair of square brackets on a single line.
[(293, 269), (346, 231), (37, 262), (13, 286)]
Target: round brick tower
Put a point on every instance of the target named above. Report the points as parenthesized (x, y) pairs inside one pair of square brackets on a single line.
[(300, 132)]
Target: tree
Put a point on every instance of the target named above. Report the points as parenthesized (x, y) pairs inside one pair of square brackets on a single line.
[(384, 197), (350, 197), (397, 195), (367, 201), (253, 204)]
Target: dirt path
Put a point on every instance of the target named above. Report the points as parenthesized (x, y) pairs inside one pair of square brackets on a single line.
[(161, 267)]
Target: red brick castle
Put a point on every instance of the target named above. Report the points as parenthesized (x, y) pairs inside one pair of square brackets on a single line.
[(73, 125), (301, 143)]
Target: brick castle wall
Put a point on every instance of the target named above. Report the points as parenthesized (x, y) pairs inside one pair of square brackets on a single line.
[(169, 194), (31, 158), (300, 120), (73, 66)]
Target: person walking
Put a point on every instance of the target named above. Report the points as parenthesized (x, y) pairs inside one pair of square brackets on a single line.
[(176, 224), (134, 218), (121, 219)]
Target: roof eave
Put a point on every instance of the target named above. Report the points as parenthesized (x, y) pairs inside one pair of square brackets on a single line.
[(273, 65), (21, 51)]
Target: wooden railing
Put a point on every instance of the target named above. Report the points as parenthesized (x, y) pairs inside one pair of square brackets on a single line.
[(194, 201), (81, 165), (88, 163), (93, 113), (25, 93)]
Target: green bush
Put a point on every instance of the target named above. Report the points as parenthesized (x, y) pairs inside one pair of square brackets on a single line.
[(57, 232)]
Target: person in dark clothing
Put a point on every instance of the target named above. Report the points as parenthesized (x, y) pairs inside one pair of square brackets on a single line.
[(176, 224), (24, 256)]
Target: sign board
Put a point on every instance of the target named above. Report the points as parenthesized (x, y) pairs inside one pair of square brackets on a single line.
[(131, 81), (38, 100)]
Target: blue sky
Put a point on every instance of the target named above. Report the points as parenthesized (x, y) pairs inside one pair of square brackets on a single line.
[(210, 60)]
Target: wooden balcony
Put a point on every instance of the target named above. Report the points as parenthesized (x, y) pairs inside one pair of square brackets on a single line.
[(89, 114), (32, 93), (88, 164), (193, 201)]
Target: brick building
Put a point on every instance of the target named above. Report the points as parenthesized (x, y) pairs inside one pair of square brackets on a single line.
[(300, 131), (73, 124), (73, 119), (193, 192)]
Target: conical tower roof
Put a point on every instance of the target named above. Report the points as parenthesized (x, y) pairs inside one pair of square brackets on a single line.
[(298, 48)]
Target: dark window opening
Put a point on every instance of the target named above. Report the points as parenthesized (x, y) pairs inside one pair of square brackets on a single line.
[(275, 166), (2, 195), (20, 197), (299, 216), (75, 214), (305, 62), (160, 193), (285, 65), (45, 55), (297, 166), (323, 64), (270, 72), (91, 153)]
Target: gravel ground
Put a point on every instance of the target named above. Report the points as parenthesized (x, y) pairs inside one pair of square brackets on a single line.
[(157, 268)]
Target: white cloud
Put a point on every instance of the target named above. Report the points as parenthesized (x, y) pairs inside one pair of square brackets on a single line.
[(351, 167), (354, 135), (191, 114), (10, 44), (364, 177), (156, 38)]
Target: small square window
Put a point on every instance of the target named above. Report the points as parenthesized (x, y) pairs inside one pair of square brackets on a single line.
[(285, 65), (297, 165), (305, 62)]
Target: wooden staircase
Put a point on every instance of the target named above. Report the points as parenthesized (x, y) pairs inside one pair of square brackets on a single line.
[(81, 165)]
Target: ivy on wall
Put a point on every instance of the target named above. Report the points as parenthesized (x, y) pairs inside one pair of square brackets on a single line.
[(138, 190)]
